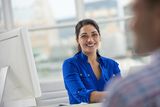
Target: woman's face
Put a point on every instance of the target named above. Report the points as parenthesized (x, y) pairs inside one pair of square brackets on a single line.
[(88, 39)]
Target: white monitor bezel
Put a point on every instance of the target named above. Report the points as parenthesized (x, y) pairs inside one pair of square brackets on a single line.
[(23, 33)]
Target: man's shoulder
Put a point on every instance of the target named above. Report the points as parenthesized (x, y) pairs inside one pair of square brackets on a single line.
[(135, 88), (134, 77), (141, 79)]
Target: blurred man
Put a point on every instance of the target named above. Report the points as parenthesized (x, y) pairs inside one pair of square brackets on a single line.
[(141, 89)]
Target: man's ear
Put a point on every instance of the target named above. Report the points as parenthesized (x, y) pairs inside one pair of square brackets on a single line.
[(158, 14), (157, 9), (157, 20)]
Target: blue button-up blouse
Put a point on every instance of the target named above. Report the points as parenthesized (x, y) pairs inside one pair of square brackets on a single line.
[(80, 80)]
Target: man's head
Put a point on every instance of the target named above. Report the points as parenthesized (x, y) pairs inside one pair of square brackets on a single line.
[(146, 25)]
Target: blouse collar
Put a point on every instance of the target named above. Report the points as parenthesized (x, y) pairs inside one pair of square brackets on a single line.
[(85, 57)]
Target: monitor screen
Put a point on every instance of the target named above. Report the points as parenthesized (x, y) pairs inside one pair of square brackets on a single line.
[(22, 79)]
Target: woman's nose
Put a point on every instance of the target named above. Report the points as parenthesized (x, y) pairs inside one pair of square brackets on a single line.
[(90, 39)]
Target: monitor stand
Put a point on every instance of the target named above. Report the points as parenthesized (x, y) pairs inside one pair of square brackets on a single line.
[(31, 102), (3, 75)]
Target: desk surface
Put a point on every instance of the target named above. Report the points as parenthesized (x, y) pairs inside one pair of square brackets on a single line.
[(86, 105), (79, 105)]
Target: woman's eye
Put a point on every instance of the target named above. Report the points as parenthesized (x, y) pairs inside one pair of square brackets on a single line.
[(94, 35), (83, 36)]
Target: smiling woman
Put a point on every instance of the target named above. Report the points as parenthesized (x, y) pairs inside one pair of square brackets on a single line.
[(87, 72)]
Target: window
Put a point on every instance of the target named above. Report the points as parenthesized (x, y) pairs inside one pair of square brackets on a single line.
[(40, 13), (1, 17), (51, 48), (51, 25), (100, 9), (113, 41)]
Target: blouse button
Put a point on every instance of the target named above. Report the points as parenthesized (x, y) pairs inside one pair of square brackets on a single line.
[(88, 75), (80, 74)]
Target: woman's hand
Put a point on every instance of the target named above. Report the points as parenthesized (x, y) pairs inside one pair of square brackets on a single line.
[(97, 96)]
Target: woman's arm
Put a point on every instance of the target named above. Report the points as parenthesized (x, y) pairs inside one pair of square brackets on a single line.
[(73, 83), (116, 70), (97, 96)]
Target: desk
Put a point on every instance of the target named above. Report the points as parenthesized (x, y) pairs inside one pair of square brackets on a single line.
[(79, 105), (86, 105)]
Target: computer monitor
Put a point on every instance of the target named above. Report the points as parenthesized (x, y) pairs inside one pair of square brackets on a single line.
[(3, 74), (22, 85)]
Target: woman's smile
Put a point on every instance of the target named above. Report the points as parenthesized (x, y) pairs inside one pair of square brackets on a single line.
[(90, 45)]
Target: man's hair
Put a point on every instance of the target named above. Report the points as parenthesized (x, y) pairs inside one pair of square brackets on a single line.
[(153, 3)]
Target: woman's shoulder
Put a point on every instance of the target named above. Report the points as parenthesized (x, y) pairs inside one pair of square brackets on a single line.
[(108, 60), (72, 59)]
